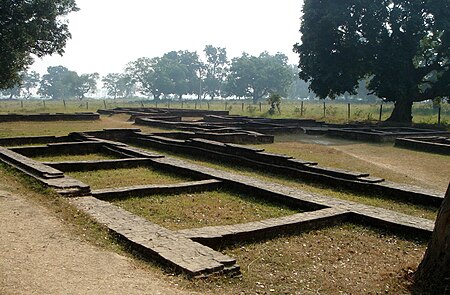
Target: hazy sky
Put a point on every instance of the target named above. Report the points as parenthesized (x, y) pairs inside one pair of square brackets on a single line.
[(107, 34)]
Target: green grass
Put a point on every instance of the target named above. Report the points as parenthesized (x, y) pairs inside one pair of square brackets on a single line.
[(203, 209), (108, 178)]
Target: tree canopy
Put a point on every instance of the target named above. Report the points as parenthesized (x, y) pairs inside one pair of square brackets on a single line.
[(27, 28), (402, 48), (28, 81), (119, 85), (259, 76), (60, 83), (216, 70)]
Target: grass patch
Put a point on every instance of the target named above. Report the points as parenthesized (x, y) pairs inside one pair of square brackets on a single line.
[(203, 209), (108, 178), (84, 157), (346, 259)]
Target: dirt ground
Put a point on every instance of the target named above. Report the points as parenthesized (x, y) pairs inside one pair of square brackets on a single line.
[(379, 159), (38, 255)]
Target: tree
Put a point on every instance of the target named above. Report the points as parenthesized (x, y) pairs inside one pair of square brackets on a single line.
[(121, 85), (178, 72), (32, 27), (257, 77), (192, 68), (28, 81), (216, 68), (401, 46), (299, 89), (434, 270), (86, 83), (60, 83), (14, 92), (142, 71)]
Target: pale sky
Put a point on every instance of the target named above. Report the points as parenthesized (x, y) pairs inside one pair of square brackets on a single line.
[(107, 34)]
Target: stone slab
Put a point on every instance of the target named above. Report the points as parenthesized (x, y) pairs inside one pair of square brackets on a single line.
[(30, 165), (158, 242), (217, 236)]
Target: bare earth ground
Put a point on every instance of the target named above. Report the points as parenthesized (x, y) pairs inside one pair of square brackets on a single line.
[(382, 160), (38, 255)]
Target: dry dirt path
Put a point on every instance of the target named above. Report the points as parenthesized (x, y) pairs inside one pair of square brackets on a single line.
[(38, 255)]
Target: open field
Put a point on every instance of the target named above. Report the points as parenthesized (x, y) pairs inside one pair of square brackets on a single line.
[(335, 111), (341, 259)]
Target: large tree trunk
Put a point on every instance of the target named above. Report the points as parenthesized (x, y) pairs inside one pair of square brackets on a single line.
[(433, 272), (402, 112)]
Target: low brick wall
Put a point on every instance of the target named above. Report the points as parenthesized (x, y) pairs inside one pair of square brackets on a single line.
[(69, 166), (142, 111), (148, 190), (50, 117), (27, 140), (218, 237), (438, 145), (382, 134), (63, 148)]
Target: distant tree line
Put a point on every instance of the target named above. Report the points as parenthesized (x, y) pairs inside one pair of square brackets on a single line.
[(175, 75), (180, 73)]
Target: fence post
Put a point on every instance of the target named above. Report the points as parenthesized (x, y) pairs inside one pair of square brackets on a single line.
[(43, 101), (381, 112), (301, 109), (260, 107), (242, 106), (208, 105), (21, 104), (348, 111), (439, 117), (87, 105), (324, 109), (64, 103)]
